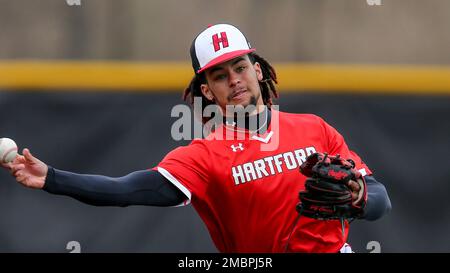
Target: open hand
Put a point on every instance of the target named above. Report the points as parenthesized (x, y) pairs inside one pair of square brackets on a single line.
[(28, 170)]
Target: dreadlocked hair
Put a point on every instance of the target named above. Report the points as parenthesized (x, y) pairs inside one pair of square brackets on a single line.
[(267, 85)]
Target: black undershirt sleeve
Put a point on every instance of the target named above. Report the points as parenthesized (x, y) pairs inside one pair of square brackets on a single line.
[(378, 202), (146, 187)]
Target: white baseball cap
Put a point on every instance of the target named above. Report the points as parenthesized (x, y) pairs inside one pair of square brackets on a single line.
[(217, 44)]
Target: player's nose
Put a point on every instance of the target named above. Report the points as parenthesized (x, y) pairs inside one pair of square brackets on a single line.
[(233, 79)]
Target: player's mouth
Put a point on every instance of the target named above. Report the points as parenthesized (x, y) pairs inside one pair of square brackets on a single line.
[(238, 94)]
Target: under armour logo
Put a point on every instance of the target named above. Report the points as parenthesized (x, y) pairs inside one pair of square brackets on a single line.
[(216, 41), (240, 146)]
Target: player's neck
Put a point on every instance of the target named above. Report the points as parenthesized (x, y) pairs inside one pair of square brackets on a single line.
[(257, 122)]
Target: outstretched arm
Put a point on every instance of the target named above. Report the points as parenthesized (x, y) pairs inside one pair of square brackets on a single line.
[(144, 187), (138, 188)]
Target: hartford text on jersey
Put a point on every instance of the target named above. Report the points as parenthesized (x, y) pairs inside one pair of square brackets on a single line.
[(270, 165)]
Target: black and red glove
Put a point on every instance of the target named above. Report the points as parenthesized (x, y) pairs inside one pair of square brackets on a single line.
[(334, 189)]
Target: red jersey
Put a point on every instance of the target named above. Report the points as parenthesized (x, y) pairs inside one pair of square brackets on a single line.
[(246, 194)]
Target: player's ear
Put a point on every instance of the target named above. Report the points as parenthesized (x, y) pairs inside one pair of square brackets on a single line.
[(206, 92), (258, 70)]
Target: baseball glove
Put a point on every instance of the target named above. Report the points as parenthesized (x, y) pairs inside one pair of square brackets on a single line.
[(328, 194)]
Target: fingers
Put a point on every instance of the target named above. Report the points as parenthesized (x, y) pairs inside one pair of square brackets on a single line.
[(21, 178), (19, 159), (6, 166), (357, 191), (28, 156), (28, 180), (15, 168), (354, 186)]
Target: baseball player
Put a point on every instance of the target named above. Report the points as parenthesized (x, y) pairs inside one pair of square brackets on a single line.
[(246, 194)]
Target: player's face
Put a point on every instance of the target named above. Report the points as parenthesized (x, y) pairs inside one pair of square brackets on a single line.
[(234, 83)]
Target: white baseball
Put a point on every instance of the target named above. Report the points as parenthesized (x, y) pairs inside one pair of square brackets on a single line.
[(8, 150)]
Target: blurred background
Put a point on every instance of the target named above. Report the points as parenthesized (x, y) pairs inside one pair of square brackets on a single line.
[(89, 88)]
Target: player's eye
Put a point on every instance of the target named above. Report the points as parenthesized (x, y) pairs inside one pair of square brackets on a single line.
[(240, 68), (219, 77)]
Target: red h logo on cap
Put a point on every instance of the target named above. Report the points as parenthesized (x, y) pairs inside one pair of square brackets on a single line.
[(223, 39)]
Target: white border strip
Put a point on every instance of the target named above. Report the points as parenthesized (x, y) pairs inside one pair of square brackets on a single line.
[(177, 184)]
